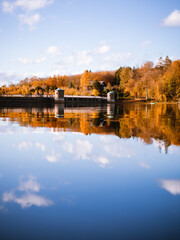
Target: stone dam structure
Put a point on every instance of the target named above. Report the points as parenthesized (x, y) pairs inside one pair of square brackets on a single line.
[(59, 97)]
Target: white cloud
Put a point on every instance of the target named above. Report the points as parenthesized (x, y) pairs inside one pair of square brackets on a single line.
[(68, 147), (29, 19), (83, 149), (13, 78), (30, 185), (8, 7), (24, 145), (103, 161), (116, 150), (113, 61), (31, 5), (172, 186), (60, 70), (104, 139), (9, 78), (24, 60), (77, 72), (102, 49), (26, 5), (118, 56), (68, 59), (173, 150), (83, 58), (107, 66), (144, 165), (41, 146), (59, 137), (39, 60), (145, 43), (53, 158), (53, 51), (27, 200), (173, 20), (27, 61), (11, 129), (37, 74)]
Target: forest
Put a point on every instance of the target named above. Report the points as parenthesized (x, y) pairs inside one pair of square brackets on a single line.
[(160, 82)]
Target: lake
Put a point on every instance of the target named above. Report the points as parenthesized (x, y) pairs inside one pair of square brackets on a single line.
[(100, 172)]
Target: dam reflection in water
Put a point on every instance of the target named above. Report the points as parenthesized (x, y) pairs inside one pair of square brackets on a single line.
[(59, 109), (100, 172)]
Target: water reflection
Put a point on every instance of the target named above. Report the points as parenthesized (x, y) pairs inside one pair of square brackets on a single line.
[(59, 110), (144, 165), (26, 145), (28, 198), (90, 172), (172, 186), (160, 122)]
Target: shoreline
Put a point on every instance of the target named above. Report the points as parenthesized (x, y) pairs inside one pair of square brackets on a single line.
[(50, 101)]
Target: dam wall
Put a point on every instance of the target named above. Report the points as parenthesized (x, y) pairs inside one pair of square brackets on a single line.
[(59, 97), (25, 100)]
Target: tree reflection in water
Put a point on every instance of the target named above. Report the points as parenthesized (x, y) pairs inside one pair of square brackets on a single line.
[(146, 121)]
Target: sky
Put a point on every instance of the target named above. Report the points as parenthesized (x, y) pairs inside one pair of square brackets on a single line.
[(64, 37)]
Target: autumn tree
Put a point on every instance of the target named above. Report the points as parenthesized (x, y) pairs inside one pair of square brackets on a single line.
[(125, 76), (109, 87), (146, 76), (171, 81), (117, 78), (163, 64), (167, 62), (85, 81)]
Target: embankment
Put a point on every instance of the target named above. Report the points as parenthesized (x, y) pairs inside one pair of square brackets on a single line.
[(11, 101)]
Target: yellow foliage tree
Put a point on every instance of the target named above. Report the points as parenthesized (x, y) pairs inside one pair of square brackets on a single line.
[(85, 81)]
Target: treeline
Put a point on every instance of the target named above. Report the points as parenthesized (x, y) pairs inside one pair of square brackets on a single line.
[(160, 82)]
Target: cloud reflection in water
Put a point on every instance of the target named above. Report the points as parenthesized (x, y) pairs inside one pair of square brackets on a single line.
[(53, 158), (28, 198), (30, 185), (172, 186)]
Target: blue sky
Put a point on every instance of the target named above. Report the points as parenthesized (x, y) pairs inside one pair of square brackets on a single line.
[(47, 37)]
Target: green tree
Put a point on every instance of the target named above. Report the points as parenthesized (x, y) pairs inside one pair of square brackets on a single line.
[(117, 78), (98, 86), (167, 62), (71, 85)]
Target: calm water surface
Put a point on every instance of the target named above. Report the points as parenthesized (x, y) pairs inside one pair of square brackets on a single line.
[(90, 172)]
